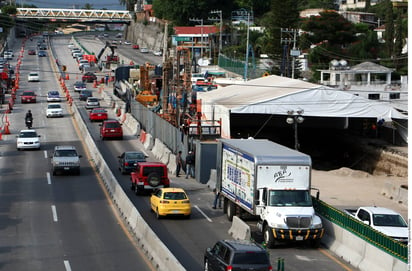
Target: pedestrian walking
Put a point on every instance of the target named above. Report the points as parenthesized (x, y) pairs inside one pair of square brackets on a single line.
[(190, 165), (218, 199), (179, 163)]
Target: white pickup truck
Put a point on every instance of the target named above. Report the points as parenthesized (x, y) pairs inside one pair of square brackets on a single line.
[(384, 220)]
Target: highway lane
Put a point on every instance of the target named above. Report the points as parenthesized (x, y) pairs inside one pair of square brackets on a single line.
[(188, 239), (55, 222)]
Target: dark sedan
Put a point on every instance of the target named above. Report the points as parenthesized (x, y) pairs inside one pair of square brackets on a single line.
[(128, 160)]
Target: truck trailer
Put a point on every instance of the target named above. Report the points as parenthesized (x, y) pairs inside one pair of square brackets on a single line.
[(271, 182)]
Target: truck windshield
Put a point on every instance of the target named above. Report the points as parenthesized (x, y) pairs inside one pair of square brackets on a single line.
[(289, 198)]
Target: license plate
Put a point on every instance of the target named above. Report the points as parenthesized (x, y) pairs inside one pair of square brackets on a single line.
[(299, 238), (99, 115), (112, 130), (175, 211), (66, 168)]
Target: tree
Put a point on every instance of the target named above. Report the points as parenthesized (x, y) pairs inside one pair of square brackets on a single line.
[(389, 28), (87, 6), (129, 4), (283, 14)]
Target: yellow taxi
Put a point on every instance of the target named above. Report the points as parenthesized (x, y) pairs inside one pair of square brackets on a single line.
[(170, 201)]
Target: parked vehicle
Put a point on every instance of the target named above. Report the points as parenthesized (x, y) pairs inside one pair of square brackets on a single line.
[(171, 201), (149, 176), (128, 160), (65, 159), (383, 220), (273, 182), (237, 255), (111, 129)]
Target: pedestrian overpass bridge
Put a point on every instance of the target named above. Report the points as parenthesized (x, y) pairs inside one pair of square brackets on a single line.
[(121, 16)]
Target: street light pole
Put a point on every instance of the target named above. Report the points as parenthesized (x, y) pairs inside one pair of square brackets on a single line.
[(247, 47), (295, 118)]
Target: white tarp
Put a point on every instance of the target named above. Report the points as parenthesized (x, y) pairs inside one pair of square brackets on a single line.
[(278, 95)]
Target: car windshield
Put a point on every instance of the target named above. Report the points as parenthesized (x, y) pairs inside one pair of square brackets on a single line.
[(93, 100), (112, 125), (27, 134), (386, 220), (54, 106), (289, 198), (250, 257), (88, 92), (175, 195), (33, 74), (135, 155), (99, 111), (28, 93), (53, 93), (65, 153)]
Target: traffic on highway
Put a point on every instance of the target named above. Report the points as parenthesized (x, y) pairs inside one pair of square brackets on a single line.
[(68, 221)]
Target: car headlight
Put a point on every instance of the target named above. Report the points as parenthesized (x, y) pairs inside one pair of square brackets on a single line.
[(317, 226)]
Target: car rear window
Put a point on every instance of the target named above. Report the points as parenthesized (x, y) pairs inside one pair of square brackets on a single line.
[(65, 153), (27, 134), (250, 257), (175, 195), (135, 156), (112, 125)]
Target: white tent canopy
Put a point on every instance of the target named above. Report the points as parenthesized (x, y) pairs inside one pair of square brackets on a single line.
[(278, 95)]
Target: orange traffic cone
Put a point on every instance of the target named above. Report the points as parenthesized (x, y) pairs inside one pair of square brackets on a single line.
[(1, 135), (6, 129), (95, 83), (67, 76)]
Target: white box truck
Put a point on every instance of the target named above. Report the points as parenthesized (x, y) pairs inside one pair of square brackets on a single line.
[(272, 182)]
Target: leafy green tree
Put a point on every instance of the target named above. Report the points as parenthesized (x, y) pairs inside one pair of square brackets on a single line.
[(129, 4), (324, 4), (389, 28), (87, 6)]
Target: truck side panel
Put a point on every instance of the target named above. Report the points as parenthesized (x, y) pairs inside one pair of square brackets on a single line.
[(283, 177), (238, 173)]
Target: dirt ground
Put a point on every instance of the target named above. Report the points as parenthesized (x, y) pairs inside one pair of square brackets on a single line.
[(347, 188)]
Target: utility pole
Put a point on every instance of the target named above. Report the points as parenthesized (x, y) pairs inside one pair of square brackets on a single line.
[(290, 37), (220, 26), (201, 31)]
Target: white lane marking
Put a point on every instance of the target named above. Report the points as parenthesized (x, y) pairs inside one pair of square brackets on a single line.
[(67, 266), (54, 212), (208, 219), (48, 178), (45, 154)]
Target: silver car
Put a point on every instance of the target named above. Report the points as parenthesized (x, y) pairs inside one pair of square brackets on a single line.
[(65, 159)]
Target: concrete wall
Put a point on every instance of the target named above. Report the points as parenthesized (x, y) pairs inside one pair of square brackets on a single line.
[(148, 35)]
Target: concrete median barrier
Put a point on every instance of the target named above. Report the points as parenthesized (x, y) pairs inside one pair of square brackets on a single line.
[(239, 229), (159, 255)]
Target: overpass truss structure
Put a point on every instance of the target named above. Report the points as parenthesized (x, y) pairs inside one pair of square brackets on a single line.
[(75, 14)]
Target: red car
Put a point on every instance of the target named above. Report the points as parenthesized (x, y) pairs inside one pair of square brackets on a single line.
[(98, 114), (89, 77), (31, 52), (135, 46), (112, 129), (28, 97)]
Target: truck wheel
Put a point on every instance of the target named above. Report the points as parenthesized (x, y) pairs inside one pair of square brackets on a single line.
[(230, 210), (268, 237), (154, 179)]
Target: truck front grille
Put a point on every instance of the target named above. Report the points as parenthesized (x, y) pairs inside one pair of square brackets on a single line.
[(298, 222)]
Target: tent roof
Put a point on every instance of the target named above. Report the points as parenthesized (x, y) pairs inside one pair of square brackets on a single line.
[(278, 95)]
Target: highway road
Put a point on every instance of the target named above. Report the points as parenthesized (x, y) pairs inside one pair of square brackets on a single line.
[(55, 222), (188, 239)]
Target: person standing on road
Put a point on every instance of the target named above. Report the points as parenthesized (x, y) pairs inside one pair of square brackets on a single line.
[(218, 200), (179, 163), (190, 165)]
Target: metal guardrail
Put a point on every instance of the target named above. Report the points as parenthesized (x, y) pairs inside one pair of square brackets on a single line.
[(363, 231)]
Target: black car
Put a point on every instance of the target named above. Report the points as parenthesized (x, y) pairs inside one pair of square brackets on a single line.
[(84, 94), (89, 77), (237, 254), (129, 159)]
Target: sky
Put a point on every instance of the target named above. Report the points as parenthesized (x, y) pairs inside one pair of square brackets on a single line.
[(64, 4)]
